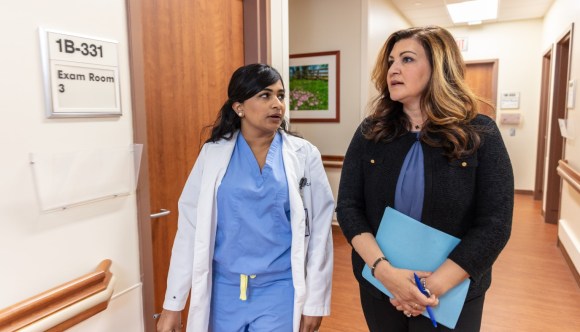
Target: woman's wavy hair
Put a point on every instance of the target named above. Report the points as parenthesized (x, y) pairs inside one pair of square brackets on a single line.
[(245, 83), (447, 101)]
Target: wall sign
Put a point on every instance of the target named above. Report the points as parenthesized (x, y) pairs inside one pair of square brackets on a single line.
[(509, 100), (81, 75), (462, 43)]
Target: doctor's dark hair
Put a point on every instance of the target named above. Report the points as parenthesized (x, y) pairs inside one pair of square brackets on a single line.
[(245, 83)]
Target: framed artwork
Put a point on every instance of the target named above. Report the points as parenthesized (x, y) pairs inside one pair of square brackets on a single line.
[(315, 87)]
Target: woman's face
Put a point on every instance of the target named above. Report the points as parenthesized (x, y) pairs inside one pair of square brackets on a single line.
[(409, 72), (263, 113)]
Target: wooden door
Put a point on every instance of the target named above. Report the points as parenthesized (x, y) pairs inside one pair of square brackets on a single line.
[(189, 49), (481, 76)]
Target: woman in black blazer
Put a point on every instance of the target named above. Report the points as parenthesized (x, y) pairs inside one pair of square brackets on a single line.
[(425, 151)]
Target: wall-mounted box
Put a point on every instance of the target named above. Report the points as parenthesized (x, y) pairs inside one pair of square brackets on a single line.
[(571, 94), (510, 118)]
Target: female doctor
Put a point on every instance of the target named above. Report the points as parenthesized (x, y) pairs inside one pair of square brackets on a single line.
[(254, 240)]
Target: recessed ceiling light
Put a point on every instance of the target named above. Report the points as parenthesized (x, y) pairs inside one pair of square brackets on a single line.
[(472, 11)]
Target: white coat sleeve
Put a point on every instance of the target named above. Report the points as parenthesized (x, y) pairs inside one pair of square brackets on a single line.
[(181, 266), (319, 256)]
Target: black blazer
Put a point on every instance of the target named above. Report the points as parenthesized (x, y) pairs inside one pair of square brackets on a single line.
[(470, 198)]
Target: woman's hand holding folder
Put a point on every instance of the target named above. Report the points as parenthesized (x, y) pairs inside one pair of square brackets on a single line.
[(407, 297)]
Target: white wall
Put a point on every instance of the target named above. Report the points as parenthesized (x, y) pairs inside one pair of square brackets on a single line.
[(357, 29), (558, 20), (279, 29), (518, 47), (368, 23), (39, 251), (383, 20), (330, 25)]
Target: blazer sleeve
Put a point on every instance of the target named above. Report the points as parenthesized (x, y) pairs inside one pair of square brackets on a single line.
[(351, 207), (181, 265), (494, 201), (319, 255)]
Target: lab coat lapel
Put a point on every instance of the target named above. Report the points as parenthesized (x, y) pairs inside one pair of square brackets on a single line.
[(294, 162)]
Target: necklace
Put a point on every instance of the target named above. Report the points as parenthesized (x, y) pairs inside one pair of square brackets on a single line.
[(417, 126)]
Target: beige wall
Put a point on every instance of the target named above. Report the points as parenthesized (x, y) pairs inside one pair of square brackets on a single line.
[(40, 250), (330, 25), (558, 20), (382, 20), (518, 47), (359, 29)]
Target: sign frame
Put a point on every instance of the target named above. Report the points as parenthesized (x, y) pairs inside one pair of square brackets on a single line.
[(91, 88), (510, 100)]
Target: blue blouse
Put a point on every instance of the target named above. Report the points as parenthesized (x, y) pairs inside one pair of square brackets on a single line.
[(253, 222), (410, 189)]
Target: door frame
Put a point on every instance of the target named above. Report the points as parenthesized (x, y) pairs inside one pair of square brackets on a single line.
[(556, 151), (543, 124), (256, 33)]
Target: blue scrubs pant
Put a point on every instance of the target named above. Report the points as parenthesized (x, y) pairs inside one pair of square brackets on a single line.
[(269, 305)]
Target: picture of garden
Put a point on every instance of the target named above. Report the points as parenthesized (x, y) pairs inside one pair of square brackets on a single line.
[(309, 87)]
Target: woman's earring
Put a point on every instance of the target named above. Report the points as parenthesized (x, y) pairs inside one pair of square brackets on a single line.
[(241, 114)]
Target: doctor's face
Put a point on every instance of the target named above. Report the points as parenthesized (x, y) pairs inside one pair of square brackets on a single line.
[(263, 113)]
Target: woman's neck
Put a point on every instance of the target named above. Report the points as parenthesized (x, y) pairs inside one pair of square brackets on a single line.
[(260, 145), (258, 139), (416, 118)]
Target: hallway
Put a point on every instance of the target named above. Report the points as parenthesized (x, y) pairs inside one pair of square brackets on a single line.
[(532, 288)]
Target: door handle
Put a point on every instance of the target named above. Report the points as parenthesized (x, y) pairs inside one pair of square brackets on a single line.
[(161, 213)]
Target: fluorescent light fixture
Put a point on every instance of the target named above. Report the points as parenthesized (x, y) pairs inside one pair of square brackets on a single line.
[(472, 11)]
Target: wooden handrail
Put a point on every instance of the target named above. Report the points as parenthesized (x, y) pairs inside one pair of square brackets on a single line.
[(330, 161), (48, 303), (569, 174)]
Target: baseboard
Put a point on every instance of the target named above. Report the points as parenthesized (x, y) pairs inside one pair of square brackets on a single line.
[(563, 234), (524, 192)]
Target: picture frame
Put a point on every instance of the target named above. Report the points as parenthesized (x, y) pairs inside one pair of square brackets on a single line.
[(315, 87)]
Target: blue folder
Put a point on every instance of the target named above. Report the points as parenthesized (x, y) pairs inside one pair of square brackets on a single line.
[(410, 244)]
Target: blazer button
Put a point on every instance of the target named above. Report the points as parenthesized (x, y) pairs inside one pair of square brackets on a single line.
[(464, 164), (372, 161)]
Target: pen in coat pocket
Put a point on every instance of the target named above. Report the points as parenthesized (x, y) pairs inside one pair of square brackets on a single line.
[(301, 185)]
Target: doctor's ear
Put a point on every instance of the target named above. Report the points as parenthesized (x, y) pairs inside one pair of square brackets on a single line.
[(237, 107)]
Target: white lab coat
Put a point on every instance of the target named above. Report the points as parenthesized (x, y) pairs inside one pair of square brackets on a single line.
[(193, 249)]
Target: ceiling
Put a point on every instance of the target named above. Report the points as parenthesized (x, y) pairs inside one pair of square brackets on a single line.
[(434, 12)]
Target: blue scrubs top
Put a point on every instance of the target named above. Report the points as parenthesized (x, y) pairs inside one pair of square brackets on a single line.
[(253, 224), (410, 189)]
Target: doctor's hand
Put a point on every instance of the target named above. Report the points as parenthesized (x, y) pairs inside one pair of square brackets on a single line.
[(310, 323), (169, 321)]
